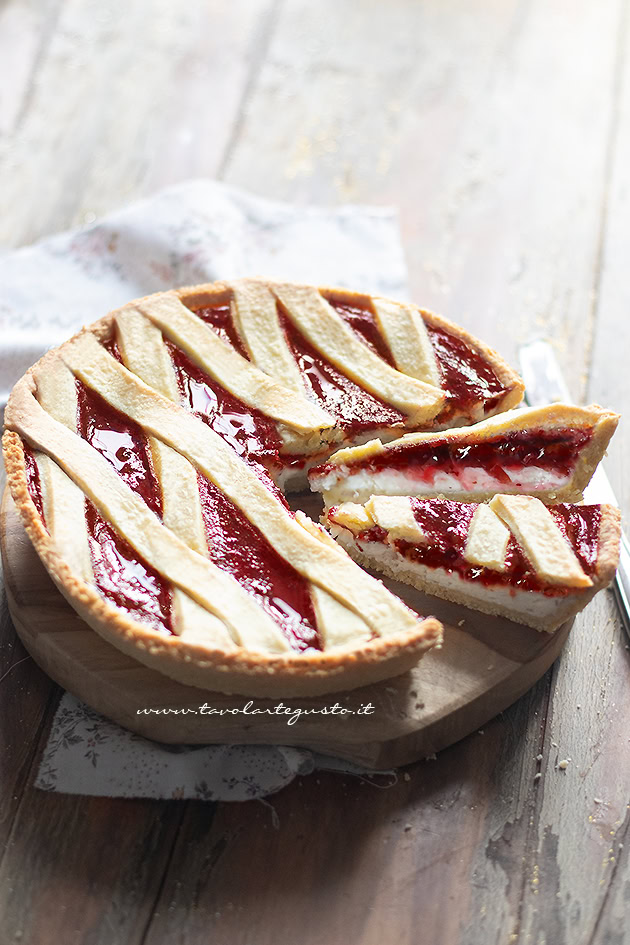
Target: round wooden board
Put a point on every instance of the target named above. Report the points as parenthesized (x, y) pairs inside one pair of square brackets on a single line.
[(485, 664)]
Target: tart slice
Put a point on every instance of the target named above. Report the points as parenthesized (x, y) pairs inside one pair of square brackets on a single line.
[(514, 557), (550, 452)]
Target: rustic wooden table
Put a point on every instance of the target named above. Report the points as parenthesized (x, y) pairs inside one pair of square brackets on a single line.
[(502, 131)]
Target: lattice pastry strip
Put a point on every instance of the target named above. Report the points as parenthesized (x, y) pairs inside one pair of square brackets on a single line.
[(64, 502), (325, 330), (237, 375), (533, 526), (211, 587), (144, 352), (406, 334), (395, 515), (255, 314), (538, 578), (487, 541), (215, 459)]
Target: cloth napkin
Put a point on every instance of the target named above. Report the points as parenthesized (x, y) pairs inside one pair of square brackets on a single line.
[(198, 231)]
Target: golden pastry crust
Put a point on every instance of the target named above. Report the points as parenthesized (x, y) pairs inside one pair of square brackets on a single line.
[(513, 383), (305, 428), (508, 377)]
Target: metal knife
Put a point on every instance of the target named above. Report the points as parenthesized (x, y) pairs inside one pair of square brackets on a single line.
[(544, 384)]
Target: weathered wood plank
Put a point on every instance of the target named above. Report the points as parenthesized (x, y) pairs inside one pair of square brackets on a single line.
[(25, 31), (337, 857), (26, 696), (576, 876), (488, 124), (485, 123), (127, 97), (583, 829), (123, 100), (84, 869)]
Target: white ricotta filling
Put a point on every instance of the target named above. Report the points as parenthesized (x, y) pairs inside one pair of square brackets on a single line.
[(347, 485), (512, 599)]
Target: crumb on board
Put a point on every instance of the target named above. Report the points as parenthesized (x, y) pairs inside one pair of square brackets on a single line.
[(406, 776), (564, 764)]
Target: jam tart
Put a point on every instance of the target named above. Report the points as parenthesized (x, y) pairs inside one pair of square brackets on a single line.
[(149, 457)]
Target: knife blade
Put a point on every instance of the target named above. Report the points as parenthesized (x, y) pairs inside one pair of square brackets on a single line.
[(544, 384)]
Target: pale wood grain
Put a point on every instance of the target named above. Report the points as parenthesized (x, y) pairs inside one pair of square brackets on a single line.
[(501, 130), (127, 97), (85, 869), (487, 127), (382, 864), (513, 147), (25, 29)]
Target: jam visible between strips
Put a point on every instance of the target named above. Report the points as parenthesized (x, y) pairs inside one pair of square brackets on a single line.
[(119, 572), (467, 377), (236, 546), (446, 524)]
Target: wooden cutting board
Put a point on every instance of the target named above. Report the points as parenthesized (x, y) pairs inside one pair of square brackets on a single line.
[(485, 664)]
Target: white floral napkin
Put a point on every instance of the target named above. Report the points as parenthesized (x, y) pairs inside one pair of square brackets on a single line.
[(197, 231)]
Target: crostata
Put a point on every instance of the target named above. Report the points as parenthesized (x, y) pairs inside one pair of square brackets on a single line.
[(149, 457)]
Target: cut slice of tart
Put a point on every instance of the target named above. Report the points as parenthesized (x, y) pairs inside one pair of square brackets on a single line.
[(515, 557), (550, 452), (164, 529)]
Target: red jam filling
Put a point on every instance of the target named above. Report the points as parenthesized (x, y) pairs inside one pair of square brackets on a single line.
[(353, 408), (33, 481), (446, 524), (364, 323), (238, 547), (552, 450), (580, 524), (249, 432), (220, 320), (467, 377), (123, 577), (119, 572), (121, 441)]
